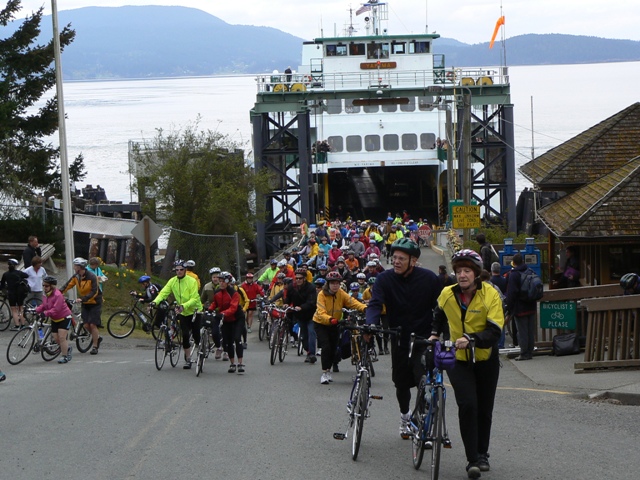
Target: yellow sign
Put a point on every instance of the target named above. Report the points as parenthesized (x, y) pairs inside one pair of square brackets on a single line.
[(466, 216)]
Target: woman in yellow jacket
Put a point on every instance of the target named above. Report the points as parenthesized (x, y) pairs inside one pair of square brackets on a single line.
[(473, 313), (331, 300)]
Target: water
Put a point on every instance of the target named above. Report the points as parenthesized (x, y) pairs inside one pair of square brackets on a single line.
[(103, 116)]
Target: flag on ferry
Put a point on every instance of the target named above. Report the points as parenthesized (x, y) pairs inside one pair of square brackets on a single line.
[(499, 23), (362, 9)]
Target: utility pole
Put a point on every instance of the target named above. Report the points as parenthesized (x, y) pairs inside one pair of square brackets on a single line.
[(465, 154)]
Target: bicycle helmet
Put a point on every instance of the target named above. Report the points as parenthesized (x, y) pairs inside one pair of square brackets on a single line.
[(14, 262), (273, 261), (344, 248), (323, 267), (320, 281), (80, 262), (190, 263), (629, 281), (333, 276), (351, 252), (389, 219), (467, 257), (287, 280), (49, 280), (226, 277), (301, 271), (340, 259), (373, 256), (280, 276), (361, 276), (282, 263), (372, 264), (144, 278), (249, 275), (334, 244), (354, 286), (371, 280), (178, 263), (407, 246), (214, 270)]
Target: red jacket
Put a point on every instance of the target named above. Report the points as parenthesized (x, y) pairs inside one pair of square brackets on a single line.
[(226, 302), (252, 290)]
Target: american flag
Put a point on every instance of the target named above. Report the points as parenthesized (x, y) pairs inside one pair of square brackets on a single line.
[(362, 9)]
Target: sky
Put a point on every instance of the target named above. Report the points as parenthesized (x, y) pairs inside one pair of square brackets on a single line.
[(469, 21)]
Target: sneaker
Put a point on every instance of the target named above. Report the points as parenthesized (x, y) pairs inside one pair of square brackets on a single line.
[(69, 352), (248, 329), (232, 368), (381, 351), (240, 369), (473, 471), (329, 377), (307, 359), (312, 359), (335, 368), (386, 351), (63, 359), (99, 341), (15, 328), (483, 462), (3, 377), (187, 364), (324, 379), (218, 353), (225, 357), (405, 433), (94, 351)]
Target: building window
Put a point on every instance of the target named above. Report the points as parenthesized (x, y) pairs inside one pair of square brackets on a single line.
[(409, 107), (390, 142), (356, 49), (425, 104), (349, 107), (372, 143), (377, 50), (336, 143), (398, 48), (390, 108), (341, 50), (419, 47), (427, 141), (331, 50), (623, 260), (334, 106), (371, 108), (409, 141), (354, 143)]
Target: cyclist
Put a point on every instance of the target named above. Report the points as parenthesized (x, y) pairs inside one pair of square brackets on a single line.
[(226, 301), (354, 291), (149, 294), (277, 288), (11, 280), (185, 291), (54, 306), (342, 269), (269, 274), (322, 272), (319, 283), (361, 278), (472, 311), (301, 294), (409, 294), (372, 270), (630, 284), (206, 297), (391, 237), (90, 298), (329, 306), (253, 290), (190, 265)]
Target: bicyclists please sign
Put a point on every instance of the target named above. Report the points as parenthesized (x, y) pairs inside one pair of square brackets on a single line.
[(558, 315)]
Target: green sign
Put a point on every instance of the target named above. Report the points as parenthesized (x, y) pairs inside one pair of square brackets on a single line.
[(558, 315)]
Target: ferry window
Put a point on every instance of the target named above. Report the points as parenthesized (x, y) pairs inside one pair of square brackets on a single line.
[(334, 106), (427, 141), (336, 143), (372, 143), (409, 107), (409, 141), (356, 49), (377, 50), (398, 48), (390, 142), (425, 103), (354, 143), (390, 108), (349, 107), (341, 50), (419, 47), (371, 108), (331, 50)]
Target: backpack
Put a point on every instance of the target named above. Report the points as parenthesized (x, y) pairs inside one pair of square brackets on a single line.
[(531, 287), (23, 288)]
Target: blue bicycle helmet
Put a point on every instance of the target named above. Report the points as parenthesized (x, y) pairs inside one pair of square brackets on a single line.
[(144, 278)]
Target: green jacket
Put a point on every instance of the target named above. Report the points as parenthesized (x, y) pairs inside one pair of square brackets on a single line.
[(185, 291), (268, 275)]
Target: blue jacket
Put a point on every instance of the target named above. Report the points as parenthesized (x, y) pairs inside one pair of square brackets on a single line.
[(515, 306), (409, 301)]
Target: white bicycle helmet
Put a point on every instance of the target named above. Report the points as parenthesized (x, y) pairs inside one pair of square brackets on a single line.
[(80, 262), (190, 263)]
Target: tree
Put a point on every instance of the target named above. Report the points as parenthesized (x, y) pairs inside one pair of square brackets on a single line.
[(27, 161), (200, 182)]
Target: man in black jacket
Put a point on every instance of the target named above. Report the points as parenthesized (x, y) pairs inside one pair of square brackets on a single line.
[(31, 250), (522, 311)]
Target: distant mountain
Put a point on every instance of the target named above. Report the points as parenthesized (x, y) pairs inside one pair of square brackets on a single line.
[(155, 41)]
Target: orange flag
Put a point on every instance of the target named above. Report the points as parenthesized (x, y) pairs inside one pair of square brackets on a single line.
[(495, 31)]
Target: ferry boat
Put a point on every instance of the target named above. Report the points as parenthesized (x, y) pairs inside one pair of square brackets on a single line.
[(382, 115)]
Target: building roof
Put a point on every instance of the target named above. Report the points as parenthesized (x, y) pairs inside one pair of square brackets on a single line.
[(606, 208), (589, 155)]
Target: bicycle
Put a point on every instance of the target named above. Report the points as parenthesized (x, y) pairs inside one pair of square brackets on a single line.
[(169, 340), (279, 339), (122, 323), (78, 332), (360, 397), (5, 314), (210, 322), (264, 324), (36, 338), (354, 317), (427, 423)]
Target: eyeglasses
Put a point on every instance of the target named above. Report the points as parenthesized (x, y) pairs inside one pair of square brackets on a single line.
[(299, 278), (399, 259), (179, 269)]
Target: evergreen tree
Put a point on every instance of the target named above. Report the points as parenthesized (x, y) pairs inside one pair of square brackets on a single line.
[(27, 161)]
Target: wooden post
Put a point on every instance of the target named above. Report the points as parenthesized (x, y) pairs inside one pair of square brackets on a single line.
[(147, 246)]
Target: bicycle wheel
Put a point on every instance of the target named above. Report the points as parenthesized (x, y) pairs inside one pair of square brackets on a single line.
[(359, 411), (162, 344), (49, 348), (283, 342), (21, 345), (83, 338), (435, 432), (176, 347), (121, 324), (273, 341), (202, 350), (5, 316), (417, 425), (300, 344)]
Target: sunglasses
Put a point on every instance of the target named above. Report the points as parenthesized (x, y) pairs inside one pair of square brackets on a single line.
[(179, 269), (299, 278)]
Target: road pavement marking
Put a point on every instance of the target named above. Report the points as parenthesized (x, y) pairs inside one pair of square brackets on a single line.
[(557, 392)]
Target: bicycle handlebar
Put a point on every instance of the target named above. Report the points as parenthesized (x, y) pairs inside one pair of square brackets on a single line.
[(372, 329)]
